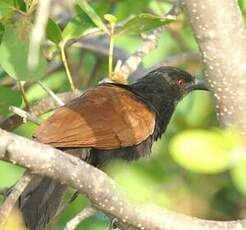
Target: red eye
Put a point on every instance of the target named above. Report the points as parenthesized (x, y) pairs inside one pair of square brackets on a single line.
[(181, 82)]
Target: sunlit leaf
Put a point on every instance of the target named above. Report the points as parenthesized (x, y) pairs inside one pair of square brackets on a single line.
[(14, 172), (20, 4), (143, 23), (160, 7), (8, 97), (77, 25), (110, 18), (132, 179), (13, 58), (5, 8), (93, 15), (14, 221), (1, 31), (238, 176), (53, 31), (203, 151)]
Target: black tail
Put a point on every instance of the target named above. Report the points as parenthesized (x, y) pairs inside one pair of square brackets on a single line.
[(40, 201)]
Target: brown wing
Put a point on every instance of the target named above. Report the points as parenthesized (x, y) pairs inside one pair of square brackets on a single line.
[(106, 117)]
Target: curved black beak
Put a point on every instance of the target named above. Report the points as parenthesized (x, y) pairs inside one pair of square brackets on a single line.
[(197, 85)]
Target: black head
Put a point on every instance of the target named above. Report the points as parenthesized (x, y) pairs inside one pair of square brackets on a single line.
[(166, 84), (180, 81), (162, 88)]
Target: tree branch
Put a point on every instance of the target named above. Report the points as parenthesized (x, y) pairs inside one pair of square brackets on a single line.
[(98, 187), (25, 115), (12, 198), (38, 108), (131, 64), (220, 33), (84, 214)]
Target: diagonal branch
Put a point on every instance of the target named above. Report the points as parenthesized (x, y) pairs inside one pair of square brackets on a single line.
[(12, 198), (131, 64), (39, 108), (84, 214), (98, 187)]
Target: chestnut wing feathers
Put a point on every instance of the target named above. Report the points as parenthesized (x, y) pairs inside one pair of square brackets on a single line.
[(106, 117)]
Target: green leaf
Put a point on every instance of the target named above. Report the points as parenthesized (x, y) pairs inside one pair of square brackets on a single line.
[(13, 57), (1, 31), (238, 176), (53, 31), (8, 97), (203, 151), (20, 4), (110, 18), (5, 9), (93, 15), (143, 23), (77, 25), (14, 173)]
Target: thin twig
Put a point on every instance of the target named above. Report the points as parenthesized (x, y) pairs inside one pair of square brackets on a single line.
[(131, 64), (65, 205), (173, 60), (177, 7), (84, 214), (39, 108), (111, 46), (3, 191), (11, 199), (65, 63), (97, 70), (25, 115), (21, 85), (51, 93), (38, 32), (110, 58)]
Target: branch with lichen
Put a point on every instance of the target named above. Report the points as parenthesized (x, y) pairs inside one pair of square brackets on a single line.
[(39, 108), (131, 64), (81, 216), (220, 32), (98, 187), (10, 201)]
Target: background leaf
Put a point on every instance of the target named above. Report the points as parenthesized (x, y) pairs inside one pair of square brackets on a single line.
[(13, 57), (5, 8), (1, 32), (77, 25), (19, 4), (8, 97), (202, 151), (53, 31), (238, 176), (93, 15), (13, 173), (142, 23)]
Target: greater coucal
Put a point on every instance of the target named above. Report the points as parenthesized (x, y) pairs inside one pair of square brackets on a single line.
[(106, 122)]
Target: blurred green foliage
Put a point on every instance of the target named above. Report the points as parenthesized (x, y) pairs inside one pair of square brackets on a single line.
[(196, 168)]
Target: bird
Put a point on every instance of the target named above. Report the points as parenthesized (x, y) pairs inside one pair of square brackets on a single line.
[(106, 122)]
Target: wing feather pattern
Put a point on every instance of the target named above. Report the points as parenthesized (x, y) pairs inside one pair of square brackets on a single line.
[(106, 117)]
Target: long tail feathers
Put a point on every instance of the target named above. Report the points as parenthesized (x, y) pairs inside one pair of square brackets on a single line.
[(40, 202)]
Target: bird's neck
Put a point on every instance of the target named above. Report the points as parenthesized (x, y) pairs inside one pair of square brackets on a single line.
[(163, 105)]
